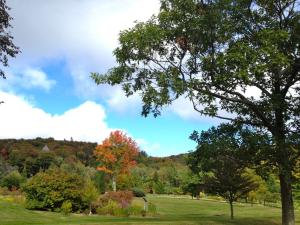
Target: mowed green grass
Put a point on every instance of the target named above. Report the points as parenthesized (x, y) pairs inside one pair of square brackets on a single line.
[(173, 211)]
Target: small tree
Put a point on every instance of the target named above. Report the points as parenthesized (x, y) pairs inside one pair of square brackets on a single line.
[(229, 180), (219, 153), (261, 192), (90, 193), (116, 155), (193, 184)]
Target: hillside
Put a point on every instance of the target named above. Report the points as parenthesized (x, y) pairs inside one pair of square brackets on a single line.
[(82, 151)]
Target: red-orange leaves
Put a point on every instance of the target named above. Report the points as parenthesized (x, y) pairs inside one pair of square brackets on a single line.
[(116, 153)]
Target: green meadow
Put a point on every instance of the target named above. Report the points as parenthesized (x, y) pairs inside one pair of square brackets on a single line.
[(171, 210)]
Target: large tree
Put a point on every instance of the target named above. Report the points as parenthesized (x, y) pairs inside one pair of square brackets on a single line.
[(241, 57), (7, 47)]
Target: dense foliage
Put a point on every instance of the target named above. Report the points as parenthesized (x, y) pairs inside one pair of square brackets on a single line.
[(52, 188), (116, 155), (12, 181), (28, 156), (224, 157)]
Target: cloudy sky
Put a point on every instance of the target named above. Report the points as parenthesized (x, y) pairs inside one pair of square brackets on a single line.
[(48, 91)]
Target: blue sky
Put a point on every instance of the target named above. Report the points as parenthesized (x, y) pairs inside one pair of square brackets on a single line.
[(48, 91)]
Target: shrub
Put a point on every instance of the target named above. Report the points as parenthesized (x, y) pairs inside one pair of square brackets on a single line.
[(159, 188), (138, 192), (50, 189), (152, 208), (113, 203), (13, 180), (4, 191), (121, 212), (113, 208), (177, 191), (108, 209), (135, 210), (66, 207), (123, 198), (33, 204)]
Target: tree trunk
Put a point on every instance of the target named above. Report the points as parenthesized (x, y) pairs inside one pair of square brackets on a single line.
[(288, 217), (285, 177), (90, 209), (285, 167), (114, 184), (231, 209)]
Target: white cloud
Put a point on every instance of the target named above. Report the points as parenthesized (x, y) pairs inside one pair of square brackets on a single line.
[(152, 149), (20, 119), (35, 78), (75, 29), (120, 103), (81, 33), (27, 78), (183, 108)]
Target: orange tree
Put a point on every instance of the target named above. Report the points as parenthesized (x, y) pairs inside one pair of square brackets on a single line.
[(116, 155)]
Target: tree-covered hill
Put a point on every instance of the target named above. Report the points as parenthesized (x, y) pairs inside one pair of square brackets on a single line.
[(83, 151)]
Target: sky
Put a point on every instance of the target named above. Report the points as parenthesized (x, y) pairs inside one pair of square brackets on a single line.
[(49, 93)]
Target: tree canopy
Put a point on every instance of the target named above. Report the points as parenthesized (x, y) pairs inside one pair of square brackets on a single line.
[(116, 155), (223, 157), (8, 48), (239, 57)]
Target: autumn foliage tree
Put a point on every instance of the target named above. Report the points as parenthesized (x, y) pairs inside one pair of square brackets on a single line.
[(116, 155)]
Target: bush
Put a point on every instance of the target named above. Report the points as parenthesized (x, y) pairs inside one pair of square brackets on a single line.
[(108, 209), (66, 207), (135, 210), (33, 204), (50, 189), (4, 191), (115, 208), (152, 208), (12, 180), (121, 212), (138, 192), (123, 198), (159, 188)]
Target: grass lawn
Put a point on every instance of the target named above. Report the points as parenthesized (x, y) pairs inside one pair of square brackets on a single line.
[(172, 211)]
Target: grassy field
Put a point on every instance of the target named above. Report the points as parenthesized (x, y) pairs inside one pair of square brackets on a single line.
[(171, 211)]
